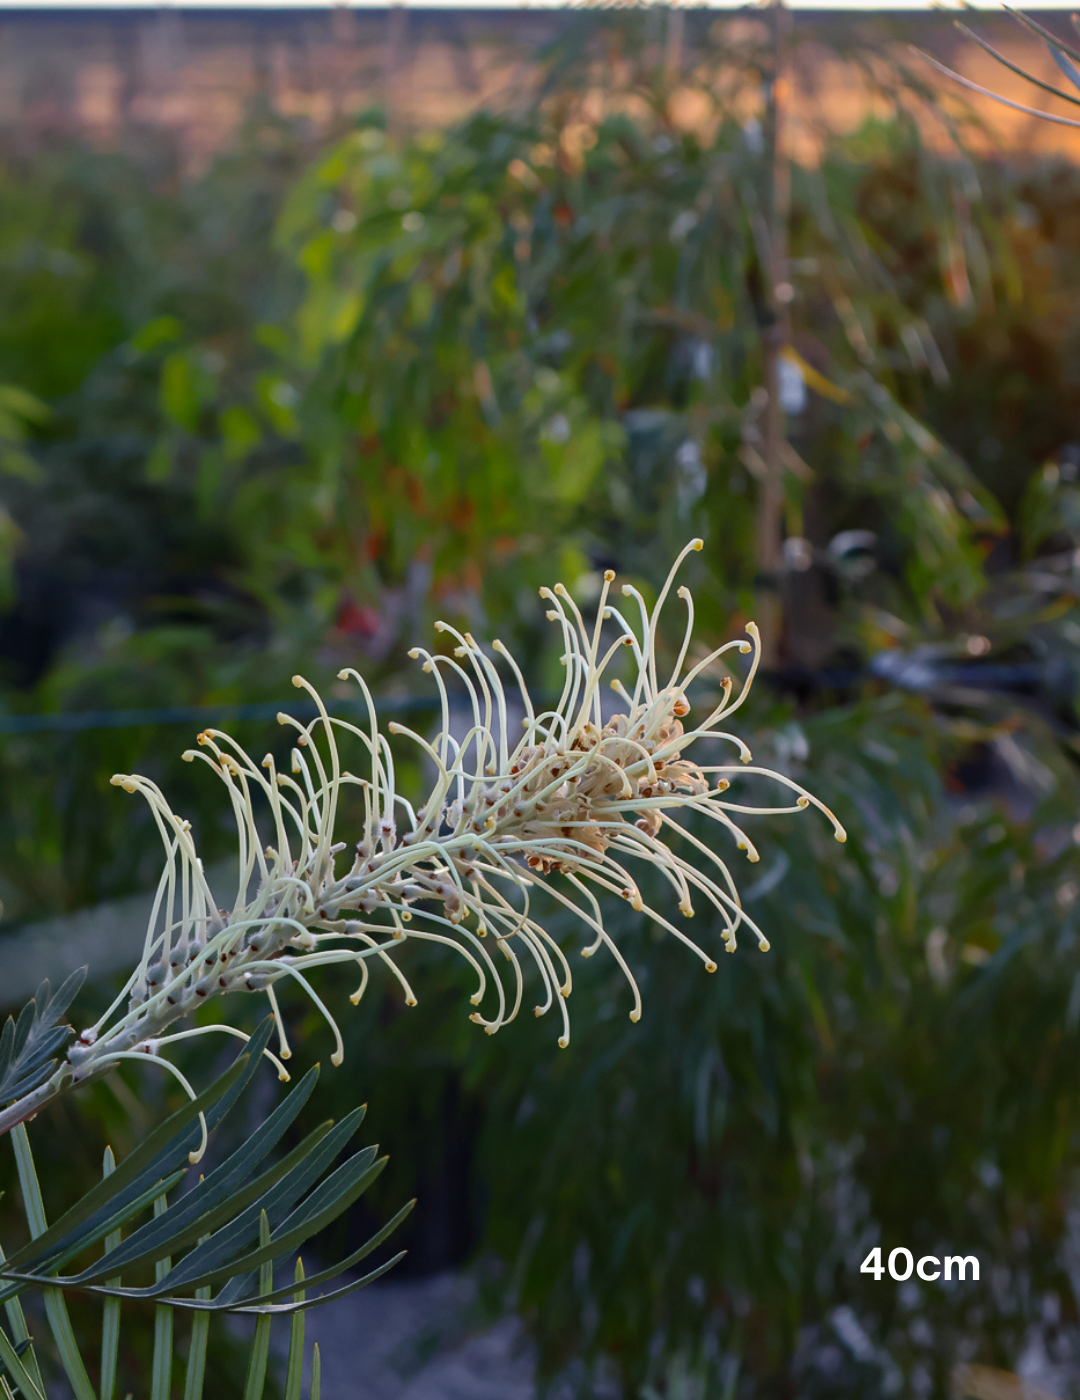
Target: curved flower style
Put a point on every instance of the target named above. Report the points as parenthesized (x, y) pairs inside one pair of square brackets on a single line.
[(564, 810)]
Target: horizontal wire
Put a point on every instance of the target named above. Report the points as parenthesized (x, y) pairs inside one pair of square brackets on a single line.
[(73, 721)]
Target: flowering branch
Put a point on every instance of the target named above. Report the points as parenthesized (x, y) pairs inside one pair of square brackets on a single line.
[(576, 797)]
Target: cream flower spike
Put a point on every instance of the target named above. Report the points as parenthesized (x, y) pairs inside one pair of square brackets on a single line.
[(583, 793)]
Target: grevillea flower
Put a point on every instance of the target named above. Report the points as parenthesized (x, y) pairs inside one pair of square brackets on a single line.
[(571, 808)]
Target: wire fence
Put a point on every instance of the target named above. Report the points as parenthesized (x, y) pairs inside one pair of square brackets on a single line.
[(919, 670), (77, 721)]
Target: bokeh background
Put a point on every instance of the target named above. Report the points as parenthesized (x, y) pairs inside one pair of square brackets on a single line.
[(317, 327)]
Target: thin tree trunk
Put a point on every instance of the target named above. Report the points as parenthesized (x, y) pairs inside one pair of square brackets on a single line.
[(396, 35), (771, 493), (674, 49)]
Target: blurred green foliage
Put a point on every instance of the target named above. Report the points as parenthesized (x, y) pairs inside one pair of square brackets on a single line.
[(282, 414)]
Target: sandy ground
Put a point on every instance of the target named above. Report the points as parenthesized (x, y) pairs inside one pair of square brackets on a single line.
[(418, 1340)]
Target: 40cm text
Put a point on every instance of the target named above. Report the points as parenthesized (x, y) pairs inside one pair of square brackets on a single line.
[(929, 1268)]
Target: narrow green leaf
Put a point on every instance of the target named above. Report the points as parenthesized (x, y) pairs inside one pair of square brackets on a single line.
[(55, 1307), (7, 1046), (21, 1334), (285, 1309), (30, 1387), (64, 1338), (316, 1374), (260, 1346), (161, 1378), (110, 1319), (333, 1196), (294, 1375), (23, 1025), (196, 1366), (238, 1290), (64, 995)]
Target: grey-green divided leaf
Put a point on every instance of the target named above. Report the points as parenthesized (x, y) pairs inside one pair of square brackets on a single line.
[(162, 1152), (166, 1242), (28, 1044), (128, 1211), (335, 1196), (336, 1270), (232, 1230), (232, 1238), (221, 1195), (223, 1256)]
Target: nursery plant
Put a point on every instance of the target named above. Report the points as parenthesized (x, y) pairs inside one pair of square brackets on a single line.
[(562, 811), (282, 458), (294, 451)]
